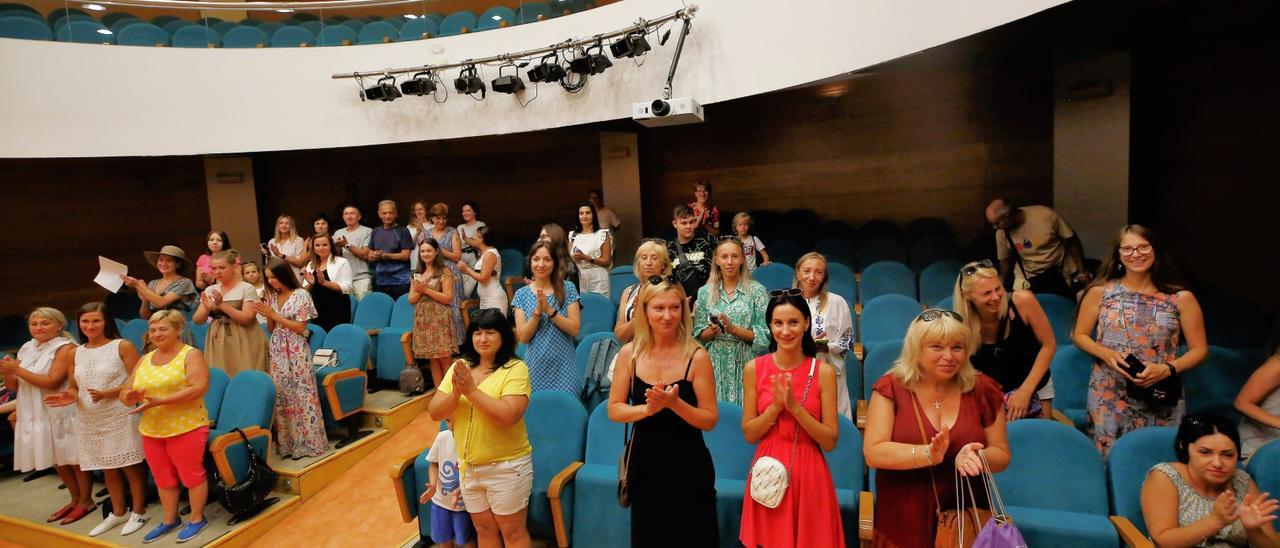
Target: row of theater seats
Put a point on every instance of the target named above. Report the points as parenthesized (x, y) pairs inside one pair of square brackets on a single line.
[(1057, 488), (301, 30)]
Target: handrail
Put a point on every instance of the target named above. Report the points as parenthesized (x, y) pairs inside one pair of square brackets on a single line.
[(249, 6)]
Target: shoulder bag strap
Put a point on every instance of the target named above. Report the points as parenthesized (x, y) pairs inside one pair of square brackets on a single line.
[(1013, 249), (925, 438), (629, 433), (813, 365)]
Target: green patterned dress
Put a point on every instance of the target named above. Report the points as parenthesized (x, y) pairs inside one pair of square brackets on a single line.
[(745, 308)]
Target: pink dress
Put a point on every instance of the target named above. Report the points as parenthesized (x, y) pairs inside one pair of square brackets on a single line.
[(808, 515), (299, 424)]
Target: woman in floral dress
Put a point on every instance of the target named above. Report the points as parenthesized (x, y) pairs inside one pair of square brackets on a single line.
[(737, 303), (1137, 306), (430, 293), (450, 245), (299, 424)]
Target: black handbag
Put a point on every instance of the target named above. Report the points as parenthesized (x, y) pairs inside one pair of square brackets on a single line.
[(1164, 393), (250, 494)]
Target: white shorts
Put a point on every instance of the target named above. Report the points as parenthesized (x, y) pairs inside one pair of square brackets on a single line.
[(1046, 393), (503, 487)]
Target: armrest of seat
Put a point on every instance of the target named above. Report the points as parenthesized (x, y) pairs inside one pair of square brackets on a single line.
[(1058, 416), (859, 351), (553, 493), (1130, 534), (331, 391), (374, 332), (405, 482), (860, 415), (406, 344), (866, 518), (219, 445)]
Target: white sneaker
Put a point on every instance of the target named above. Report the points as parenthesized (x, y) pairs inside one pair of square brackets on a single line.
[(136, 521), (107, 524)]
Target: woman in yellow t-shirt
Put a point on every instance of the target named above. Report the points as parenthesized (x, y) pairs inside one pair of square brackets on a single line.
[(168, 387), (485, 394)]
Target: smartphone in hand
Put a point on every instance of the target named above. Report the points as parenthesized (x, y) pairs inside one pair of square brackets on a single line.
[(715, 320), (1133, 366)]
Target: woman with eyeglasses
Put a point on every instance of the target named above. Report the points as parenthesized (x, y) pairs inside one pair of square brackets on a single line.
[(1136, 306), (832, 325), (663, 384), (729, 318), (932, 414), (790, 411), (547, 319), (651, 260), (1012, 341), (1204, 498)]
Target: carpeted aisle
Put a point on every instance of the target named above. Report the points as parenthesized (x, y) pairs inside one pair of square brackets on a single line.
[(359, 509)]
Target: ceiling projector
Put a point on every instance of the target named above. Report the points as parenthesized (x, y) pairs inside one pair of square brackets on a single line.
[(667, 112)]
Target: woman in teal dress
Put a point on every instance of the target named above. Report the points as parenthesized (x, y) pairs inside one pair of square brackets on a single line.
[(738, 334)]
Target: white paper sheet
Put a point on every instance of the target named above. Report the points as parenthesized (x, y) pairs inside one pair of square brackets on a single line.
[(109, 273)]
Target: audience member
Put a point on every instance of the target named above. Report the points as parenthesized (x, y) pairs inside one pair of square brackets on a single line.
[(108, 436), (431, 294), (1259, 402), (1037, 249), (299, 425), (751, 245), (168, 387), (450, 522), (172, 290), (46, 436), (418, 226), (216, 241), (1012, 340), (932, 410), (553, 233), (792, 417), (690, 251), (354, 240), (1204, 499), (832, 323), (547, 319), (251, 273), (485, 270), (669, 472), (287, 245), (329, 280), (591, 249), (1137, 307), (708, 215), (234, 342), (390, 246), (608, 217), (729, 318), (449, 246), (470, 252), (651, 260), (319, 226), (485, 394)]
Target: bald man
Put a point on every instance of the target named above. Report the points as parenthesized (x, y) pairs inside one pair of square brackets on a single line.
[(1037, 247)]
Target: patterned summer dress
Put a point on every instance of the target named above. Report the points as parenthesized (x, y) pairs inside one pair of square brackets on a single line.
[(433, 335), (551, 352), (446, 243), (1148, 326), (745, 308), (299, 424)]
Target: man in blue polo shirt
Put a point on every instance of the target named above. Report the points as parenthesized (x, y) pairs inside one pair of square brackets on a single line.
[(390, 247)]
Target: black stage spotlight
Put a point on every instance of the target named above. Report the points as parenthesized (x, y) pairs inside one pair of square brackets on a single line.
[(422, 83), (591, 63), (384, 90), (549, 70), (469, 82), (508, 84), (631, 45)]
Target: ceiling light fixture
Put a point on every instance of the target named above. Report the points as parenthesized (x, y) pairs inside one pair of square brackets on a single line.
[(508, 84), (422, 83), (469, 82), (549, 70), (631, 45), (384, 90), (591, 63)]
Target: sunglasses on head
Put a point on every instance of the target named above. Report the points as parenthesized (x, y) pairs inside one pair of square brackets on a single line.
[(725, 238), (972, 269), (935, 313), (658, 241), (657, 280), (789, 292)]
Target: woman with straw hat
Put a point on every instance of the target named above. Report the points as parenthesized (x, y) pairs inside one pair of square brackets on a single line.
[(172, 291)]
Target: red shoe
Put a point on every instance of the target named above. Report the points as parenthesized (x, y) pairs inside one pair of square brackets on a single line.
[(77, 513), (61, 513)]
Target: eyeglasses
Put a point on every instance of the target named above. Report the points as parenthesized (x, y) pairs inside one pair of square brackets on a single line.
[(1127, 251), (657, 280), (789, 292), (973, 268), (658, 241), (935, 313)]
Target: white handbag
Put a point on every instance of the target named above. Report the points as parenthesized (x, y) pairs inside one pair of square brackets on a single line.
[(325, 357), (769, 477)]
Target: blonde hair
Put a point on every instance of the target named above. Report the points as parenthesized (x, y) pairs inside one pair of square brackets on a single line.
[(740, 216), (391, 203), (966, 309), (653, 247), (293, 229), (907, 368), (826, 277), (174, 318), (54, 315), (714, 281), (643, 336)]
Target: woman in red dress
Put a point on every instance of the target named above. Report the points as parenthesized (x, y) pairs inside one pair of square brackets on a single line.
[(792, 413), (960, 413)]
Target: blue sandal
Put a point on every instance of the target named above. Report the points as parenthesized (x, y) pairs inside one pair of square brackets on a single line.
[(160, 531), (191, 530)]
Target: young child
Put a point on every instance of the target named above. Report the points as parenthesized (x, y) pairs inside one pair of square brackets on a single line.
[(450, 522), (252, 275), (750, 244)]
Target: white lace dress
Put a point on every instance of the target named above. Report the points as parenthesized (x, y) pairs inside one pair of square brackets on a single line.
[(43, 436), (108, 433), (593, 277)]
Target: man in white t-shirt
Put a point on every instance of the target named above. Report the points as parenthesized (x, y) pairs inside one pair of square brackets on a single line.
[(607, 217), (353, 240), (1037, 248)]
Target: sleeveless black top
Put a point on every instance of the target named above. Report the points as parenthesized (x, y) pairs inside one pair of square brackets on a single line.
[(1009, 360)]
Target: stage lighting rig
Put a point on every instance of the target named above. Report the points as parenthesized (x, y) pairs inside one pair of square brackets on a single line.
[(384, 90), (508, 84), (591, 63), (469, 82), (632, 44), (549, 70), (420, 84)]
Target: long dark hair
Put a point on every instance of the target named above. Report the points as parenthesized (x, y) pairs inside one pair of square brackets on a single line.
[(489, 318), (595, 217), (109, 329), (1164, 273), (1197, 426), (226, 240), (557, 275), (283, 273), (437, 264), (808, 346)]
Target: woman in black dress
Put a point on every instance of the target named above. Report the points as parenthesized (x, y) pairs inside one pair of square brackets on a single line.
[(328, 279), (663, 384)]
